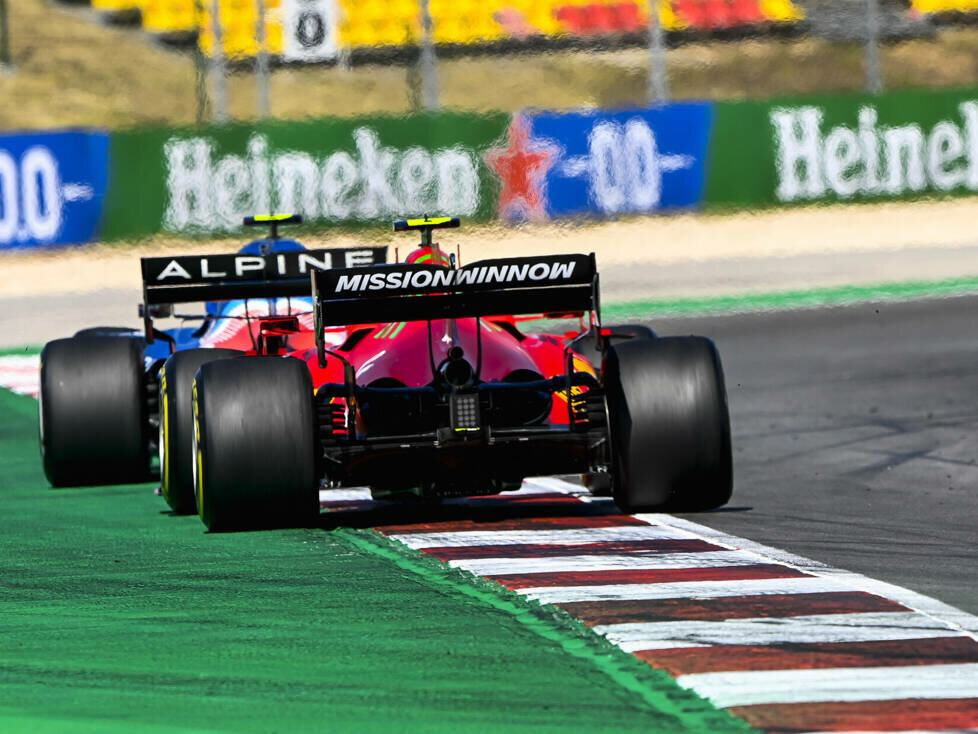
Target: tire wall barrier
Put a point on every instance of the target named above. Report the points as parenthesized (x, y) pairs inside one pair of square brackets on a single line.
[(73, 187)]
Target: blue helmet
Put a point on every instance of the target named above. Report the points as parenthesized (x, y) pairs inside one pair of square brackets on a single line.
[(257, 247)]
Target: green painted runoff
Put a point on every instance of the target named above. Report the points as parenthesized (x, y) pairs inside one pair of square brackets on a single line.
[(119, 617)]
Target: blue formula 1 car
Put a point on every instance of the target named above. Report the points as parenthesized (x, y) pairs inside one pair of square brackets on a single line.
[(112, 399)]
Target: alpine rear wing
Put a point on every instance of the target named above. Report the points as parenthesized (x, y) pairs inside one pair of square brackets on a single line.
[(412, 292), (195, 278)]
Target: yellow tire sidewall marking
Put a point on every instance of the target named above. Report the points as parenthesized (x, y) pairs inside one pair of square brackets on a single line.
[(198, 458), (164, 438)]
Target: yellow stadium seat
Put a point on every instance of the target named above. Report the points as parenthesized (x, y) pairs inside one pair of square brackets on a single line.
[(541, 16), (377, 22), (667, 18), (944, 6), (169, 16), (114, 6), (238, 27), (782, 11)]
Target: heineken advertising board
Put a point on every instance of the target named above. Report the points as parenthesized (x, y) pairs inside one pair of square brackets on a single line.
[(204, 181)]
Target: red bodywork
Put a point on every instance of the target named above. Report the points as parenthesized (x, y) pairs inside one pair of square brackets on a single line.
[(385, 354), (397, 352), (400, 433)]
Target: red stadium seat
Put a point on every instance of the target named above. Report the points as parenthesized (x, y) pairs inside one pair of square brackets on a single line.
[(572, 18), (747, 12), (601, 19), (717, 14), (628, 18), (691, 12)]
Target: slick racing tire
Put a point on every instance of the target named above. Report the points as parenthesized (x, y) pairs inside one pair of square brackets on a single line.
[(255, 444), (584, 345), (177, 424), (670, 427), (93, 409)]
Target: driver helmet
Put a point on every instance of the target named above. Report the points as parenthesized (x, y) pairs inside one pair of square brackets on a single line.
[(429, 256), (264, 248)]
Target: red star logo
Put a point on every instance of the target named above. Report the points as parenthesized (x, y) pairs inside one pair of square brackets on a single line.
[(522, 168)]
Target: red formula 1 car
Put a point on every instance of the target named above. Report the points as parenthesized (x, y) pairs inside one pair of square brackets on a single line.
[(436, 391)]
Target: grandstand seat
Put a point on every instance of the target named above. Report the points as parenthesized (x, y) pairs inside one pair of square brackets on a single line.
[(373, 23), (540, 15), (718, 14), (238, 23), (944, 6), (378, 22), (169, 16), (599, 18), (692, 13), (115, 6), (628, 18)]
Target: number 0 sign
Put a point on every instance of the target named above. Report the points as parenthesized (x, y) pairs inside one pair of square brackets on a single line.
[(310, 30)]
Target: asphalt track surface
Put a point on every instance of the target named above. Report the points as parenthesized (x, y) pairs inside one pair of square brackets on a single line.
[(855, 436)]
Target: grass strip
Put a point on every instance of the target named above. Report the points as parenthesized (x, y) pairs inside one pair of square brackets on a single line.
[(784, 300), (25, 351)]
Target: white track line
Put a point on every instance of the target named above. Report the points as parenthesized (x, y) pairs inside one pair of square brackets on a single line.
[(681, 590), (21, 373), (638, 561), (933, 608), (757, 687), (463, 538), (850, 627)]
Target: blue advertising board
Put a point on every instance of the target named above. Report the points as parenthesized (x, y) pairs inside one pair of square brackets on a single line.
[(52, 187), (603, 163)]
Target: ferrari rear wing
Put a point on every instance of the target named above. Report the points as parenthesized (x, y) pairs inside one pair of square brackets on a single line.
[(412, 292)]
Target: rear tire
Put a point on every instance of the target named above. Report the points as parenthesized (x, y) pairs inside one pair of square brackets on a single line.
[(93, 411), (255, 444), (177, 425), (670, 427)]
